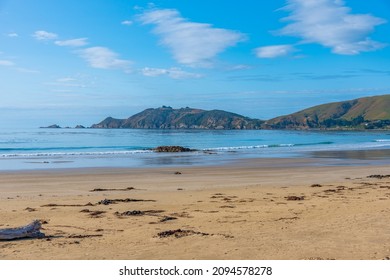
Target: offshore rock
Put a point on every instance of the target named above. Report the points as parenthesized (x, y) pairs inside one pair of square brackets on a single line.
[(172, 149)]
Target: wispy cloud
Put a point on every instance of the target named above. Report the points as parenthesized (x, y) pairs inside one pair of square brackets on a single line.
[(127, 22), (68, 83), (327, 76), (332, 24), (26, 70), (14, 66), (257, 78), (191, 43), (375, 71), (13, 35), (335, 75), (42, 35), (6, 63), (237, 67), (104, 58), (274, 51), (174, 73), (80, 42), (65, 80)]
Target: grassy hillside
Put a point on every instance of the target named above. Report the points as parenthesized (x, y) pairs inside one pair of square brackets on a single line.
[(358, 113)]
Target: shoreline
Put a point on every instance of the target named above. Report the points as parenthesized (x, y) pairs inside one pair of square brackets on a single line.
[(375, 156), (252, 210)]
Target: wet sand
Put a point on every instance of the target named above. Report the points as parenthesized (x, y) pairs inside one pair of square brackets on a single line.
[(257, 209)]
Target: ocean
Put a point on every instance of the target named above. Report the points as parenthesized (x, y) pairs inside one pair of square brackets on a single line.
[(24, 149)]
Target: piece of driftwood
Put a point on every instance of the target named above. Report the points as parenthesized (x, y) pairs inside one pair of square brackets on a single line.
[(31, 230)]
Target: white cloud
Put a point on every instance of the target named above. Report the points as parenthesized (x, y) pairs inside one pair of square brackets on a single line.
[(174, 73), (42, 35), (26, 70), (274, 51), (13, 35), (191, 43), (65, 80), (331, 24), (153, 72), (239, 67), (6, 63), (104, 58), (127, 22), (72, 43), (68, 82)]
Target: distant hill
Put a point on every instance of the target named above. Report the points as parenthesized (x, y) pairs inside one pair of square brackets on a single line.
[(363, 113), (358, 114), (184, 118)]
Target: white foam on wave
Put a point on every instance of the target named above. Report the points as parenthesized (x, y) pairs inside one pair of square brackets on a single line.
[(64, 154), (248, 147)]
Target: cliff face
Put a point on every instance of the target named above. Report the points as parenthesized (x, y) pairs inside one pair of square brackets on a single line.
[(184, 118), (363, 113)]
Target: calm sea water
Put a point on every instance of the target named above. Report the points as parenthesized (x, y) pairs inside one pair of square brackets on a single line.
[(69, 148)]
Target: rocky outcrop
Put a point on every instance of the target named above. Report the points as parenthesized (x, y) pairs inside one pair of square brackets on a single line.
[(184, 118), (109, 123), (172, 149), (51, 126)]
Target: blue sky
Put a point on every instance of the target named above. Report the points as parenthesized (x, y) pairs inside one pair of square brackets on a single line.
[(76, 62)]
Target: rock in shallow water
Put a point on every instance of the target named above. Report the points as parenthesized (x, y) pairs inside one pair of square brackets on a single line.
[(172, 149)]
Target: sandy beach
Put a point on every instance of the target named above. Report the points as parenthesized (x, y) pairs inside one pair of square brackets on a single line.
[(258, 209)]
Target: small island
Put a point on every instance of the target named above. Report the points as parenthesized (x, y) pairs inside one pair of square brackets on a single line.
[(51, 126)]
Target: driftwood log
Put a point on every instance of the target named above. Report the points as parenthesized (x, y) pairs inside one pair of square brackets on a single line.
[(31, 230)]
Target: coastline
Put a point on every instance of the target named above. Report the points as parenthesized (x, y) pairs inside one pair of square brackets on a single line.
[(253, 209)]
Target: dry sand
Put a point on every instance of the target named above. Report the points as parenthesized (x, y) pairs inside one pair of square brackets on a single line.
[(255, 210)]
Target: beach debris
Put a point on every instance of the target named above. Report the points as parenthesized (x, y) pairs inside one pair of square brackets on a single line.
[(320, 259), (139, 213), (316, 186), (331, 191), (84, 235), (94, 214), (293, 197), (172, 149), (177, 173), (31, 230), (285, 218), (167, 218), (29, 209), (114, 201), (146, 213), (178, 233), (67, 205), (131, 213), (181, 214), (377, 176), (107, 190)]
